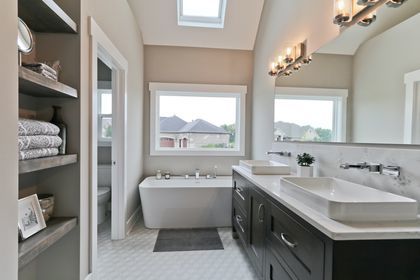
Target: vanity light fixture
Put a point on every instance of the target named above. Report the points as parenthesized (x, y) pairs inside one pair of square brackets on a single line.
[(292, 60), (362, 12)]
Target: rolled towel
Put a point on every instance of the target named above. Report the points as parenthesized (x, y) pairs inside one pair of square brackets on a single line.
[(32, 127), (37, 153), (38, 142)]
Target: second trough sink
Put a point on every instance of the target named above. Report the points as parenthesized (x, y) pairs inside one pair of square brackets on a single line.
[(345, 201), (265, 167)]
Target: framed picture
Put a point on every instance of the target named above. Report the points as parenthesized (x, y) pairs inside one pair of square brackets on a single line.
[(30, 218)]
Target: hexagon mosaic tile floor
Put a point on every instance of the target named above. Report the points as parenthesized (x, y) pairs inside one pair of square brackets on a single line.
[(134, 259)]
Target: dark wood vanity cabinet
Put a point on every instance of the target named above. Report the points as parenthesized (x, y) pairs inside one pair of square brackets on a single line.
[(282, 246)]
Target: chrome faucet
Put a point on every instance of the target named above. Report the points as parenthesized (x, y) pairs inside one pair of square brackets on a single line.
[(197, 173), (283, 154), (394, 171)]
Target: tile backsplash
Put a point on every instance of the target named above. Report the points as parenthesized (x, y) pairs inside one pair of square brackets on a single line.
[(329, 158)]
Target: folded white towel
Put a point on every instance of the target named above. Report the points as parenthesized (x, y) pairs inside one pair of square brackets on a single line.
[(32, 127), (37, 153), (38, 142)]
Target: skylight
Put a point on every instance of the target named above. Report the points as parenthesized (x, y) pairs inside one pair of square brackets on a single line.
[(202, 13)]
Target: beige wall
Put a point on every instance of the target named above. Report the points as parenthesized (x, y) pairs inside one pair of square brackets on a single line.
[(379, 90), (8, 147), (299, 25), (117, 21), (202, 66)]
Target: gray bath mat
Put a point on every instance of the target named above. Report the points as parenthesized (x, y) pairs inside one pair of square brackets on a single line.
[(170, 240)]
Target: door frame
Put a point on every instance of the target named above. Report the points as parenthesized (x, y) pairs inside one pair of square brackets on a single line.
[(412, 81), (102, 47)]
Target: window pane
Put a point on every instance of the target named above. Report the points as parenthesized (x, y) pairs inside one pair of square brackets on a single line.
[(106, 127), (201, 8), (106, 103), (195, 122), (304, 120)]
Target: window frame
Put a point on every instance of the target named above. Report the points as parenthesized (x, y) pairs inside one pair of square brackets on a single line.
[(201, 90), (200, 21), (103, 141), (337, 96)]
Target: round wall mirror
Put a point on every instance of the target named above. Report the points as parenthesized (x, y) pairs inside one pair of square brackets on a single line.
[(25, 41)]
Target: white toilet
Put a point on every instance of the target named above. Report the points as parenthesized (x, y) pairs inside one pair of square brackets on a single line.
[(104, 191)]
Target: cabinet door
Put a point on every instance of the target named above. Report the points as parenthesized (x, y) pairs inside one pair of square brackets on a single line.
[(274, 270), (257, 228)]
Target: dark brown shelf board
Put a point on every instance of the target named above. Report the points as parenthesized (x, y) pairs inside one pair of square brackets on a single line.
[(45, 16), (56, 228), (31, 165), (34, 84)]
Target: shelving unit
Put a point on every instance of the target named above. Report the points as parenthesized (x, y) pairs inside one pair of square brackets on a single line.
[(56, 229), (31, 165), (45, 16), (56, 38), (34, 84)]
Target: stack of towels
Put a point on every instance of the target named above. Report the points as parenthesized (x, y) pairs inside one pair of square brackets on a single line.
[(42, 69), (37, 139)]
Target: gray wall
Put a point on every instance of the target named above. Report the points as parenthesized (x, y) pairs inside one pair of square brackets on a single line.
[(202, 66), (8, 147), (379, 90)]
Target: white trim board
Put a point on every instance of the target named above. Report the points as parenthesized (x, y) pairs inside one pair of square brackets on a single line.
[(411, 81), (131, 222), (101, 47)]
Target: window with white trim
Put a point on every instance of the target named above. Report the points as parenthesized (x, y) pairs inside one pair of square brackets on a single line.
[(197, 119), (203, 13), (105, 116), (310, 114)]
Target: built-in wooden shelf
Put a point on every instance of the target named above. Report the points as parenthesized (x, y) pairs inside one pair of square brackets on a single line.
[(56, 229), (34, 84), (45, 16), (31, 165)]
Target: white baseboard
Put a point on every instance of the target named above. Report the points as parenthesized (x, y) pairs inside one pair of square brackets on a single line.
[(133, 220)]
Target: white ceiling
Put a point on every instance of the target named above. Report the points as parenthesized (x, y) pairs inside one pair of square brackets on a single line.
[(158, 22), (352, 38)]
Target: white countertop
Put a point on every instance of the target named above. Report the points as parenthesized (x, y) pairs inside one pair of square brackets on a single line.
[(333, 229)]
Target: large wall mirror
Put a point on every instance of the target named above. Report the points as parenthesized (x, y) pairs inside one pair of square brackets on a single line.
[(362, 87)]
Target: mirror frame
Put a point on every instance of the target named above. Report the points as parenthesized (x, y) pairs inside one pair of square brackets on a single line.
[(22, 26)]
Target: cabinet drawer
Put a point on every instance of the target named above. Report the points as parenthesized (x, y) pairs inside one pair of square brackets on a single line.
[(240, 192), (274, 270), (301, 250), (239, 221)]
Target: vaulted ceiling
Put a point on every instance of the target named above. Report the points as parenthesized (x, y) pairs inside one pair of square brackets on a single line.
[(158, 22)]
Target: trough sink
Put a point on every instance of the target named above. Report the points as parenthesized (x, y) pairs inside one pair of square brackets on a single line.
[(345, 201), (265, 167)]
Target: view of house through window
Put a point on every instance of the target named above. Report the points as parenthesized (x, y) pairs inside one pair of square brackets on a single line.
[(304, 119), (198, 122)]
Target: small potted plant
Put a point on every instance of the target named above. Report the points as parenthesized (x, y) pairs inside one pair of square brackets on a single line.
[(304, 162)]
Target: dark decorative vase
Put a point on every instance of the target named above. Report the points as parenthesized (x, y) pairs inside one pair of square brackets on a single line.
[(58, 121)]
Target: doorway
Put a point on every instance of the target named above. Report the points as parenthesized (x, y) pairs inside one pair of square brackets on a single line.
[(107, 130)]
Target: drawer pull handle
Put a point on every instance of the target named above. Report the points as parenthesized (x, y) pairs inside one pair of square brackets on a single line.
[(287, 242), (261, 207), (239, 191), (239, 220)]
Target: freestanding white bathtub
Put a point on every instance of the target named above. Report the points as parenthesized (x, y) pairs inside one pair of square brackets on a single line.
[(186, 203)]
